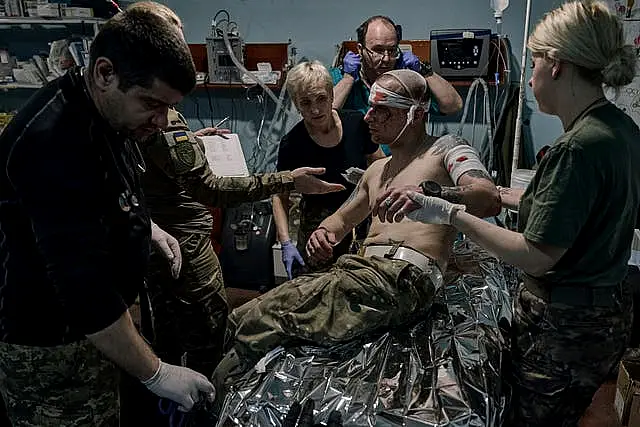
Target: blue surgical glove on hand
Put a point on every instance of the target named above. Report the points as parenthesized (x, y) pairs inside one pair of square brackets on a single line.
[(408, 61), (289, 254), (351, 65)]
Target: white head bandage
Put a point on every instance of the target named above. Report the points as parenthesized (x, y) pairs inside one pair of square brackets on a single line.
[(381, 96)]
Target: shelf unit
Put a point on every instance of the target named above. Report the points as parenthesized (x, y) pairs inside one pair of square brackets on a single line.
[(16, 20), (274, 53), (66, 20), (19, 21), (7, 86)]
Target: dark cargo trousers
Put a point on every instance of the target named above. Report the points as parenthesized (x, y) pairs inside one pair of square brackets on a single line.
[(190, 313)]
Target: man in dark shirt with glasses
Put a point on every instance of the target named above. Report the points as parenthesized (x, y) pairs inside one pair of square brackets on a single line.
[(378, 52)]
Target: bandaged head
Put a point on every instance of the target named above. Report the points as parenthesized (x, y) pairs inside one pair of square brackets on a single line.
[(414, 85)]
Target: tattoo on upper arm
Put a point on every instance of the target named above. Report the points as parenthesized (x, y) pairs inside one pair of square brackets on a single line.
[(453, 194), (446, 143), (353, 194), (475, 173), (456, 194)]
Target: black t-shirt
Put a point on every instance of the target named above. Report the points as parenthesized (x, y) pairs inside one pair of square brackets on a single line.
[(297, 149), (74, 243)]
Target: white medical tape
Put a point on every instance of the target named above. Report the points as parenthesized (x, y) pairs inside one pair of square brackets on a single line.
[(462, 159)]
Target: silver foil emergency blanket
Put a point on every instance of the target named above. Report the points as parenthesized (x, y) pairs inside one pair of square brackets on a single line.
[(444, 371)]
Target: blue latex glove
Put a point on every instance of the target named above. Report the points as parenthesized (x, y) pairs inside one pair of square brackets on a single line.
[(289, 255), (351, 65), (408, 61)]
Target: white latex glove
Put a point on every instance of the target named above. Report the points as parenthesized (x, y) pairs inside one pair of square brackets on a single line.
[(168, 247), (433, 210), (182, 385)]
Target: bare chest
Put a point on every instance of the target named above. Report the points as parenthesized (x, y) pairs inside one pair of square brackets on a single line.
[(425, 167)]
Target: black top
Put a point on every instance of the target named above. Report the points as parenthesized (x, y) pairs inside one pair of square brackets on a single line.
[(72, 259), (297, 149)]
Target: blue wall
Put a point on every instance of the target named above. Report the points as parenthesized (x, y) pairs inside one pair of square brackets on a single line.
[(316, 28)]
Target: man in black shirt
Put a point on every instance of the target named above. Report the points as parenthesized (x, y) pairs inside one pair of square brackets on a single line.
[(75, 232)]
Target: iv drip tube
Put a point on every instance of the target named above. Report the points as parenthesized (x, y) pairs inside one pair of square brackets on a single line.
[(242, 68), (487, 117), (523, 68)]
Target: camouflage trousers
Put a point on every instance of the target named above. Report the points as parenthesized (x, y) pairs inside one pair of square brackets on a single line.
[(358, 296), (190, 313), (67, 385), (561, 354)]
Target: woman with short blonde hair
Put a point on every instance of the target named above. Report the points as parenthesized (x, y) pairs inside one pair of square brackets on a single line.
[(308, 75), (324, 138)]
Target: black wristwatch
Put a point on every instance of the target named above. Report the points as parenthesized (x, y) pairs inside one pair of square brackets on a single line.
[(431, 188), (426, 69)]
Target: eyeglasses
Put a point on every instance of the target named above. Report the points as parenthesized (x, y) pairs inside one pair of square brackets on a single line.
[(379, 53)]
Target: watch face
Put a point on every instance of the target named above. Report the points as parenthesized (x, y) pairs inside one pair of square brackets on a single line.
[(426, 69), (431, 188)]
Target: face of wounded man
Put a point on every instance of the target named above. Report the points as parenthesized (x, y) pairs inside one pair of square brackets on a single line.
[(385, 123)]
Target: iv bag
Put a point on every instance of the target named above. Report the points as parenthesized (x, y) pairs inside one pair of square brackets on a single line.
[(498, 6)]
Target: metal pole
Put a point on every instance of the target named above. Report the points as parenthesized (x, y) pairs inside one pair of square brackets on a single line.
[(523, 70)]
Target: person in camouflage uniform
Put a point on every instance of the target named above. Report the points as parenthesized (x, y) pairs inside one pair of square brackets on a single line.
[(335, 140), (400, 266), (96, 385), (190, 311), (573, 310)]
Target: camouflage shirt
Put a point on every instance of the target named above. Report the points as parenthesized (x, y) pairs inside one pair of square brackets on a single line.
[(180, 186)]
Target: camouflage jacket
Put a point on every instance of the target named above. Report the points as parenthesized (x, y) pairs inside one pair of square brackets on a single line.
[(180, 186)]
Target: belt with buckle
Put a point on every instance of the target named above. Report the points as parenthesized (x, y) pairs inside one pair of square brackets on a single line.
[(602, 296), (403, 253)]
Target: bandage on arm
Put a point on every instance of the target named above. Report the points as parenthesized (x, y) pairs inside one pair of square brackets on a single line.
[(461, 159), (473, 186)]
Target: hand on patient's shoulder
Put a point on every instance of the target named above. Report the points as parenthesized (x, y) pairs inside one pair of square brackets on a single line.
[(353, 175)]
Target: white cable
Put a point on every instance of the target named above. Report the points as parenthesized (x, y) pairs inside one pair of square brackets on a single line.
[(242, 68), (487, 118), (523, 68), (279, 101), (279, 105)]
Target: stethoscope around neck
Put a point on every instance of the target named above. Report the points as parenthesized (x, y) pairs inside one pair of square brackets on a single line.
[(127, 199)]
